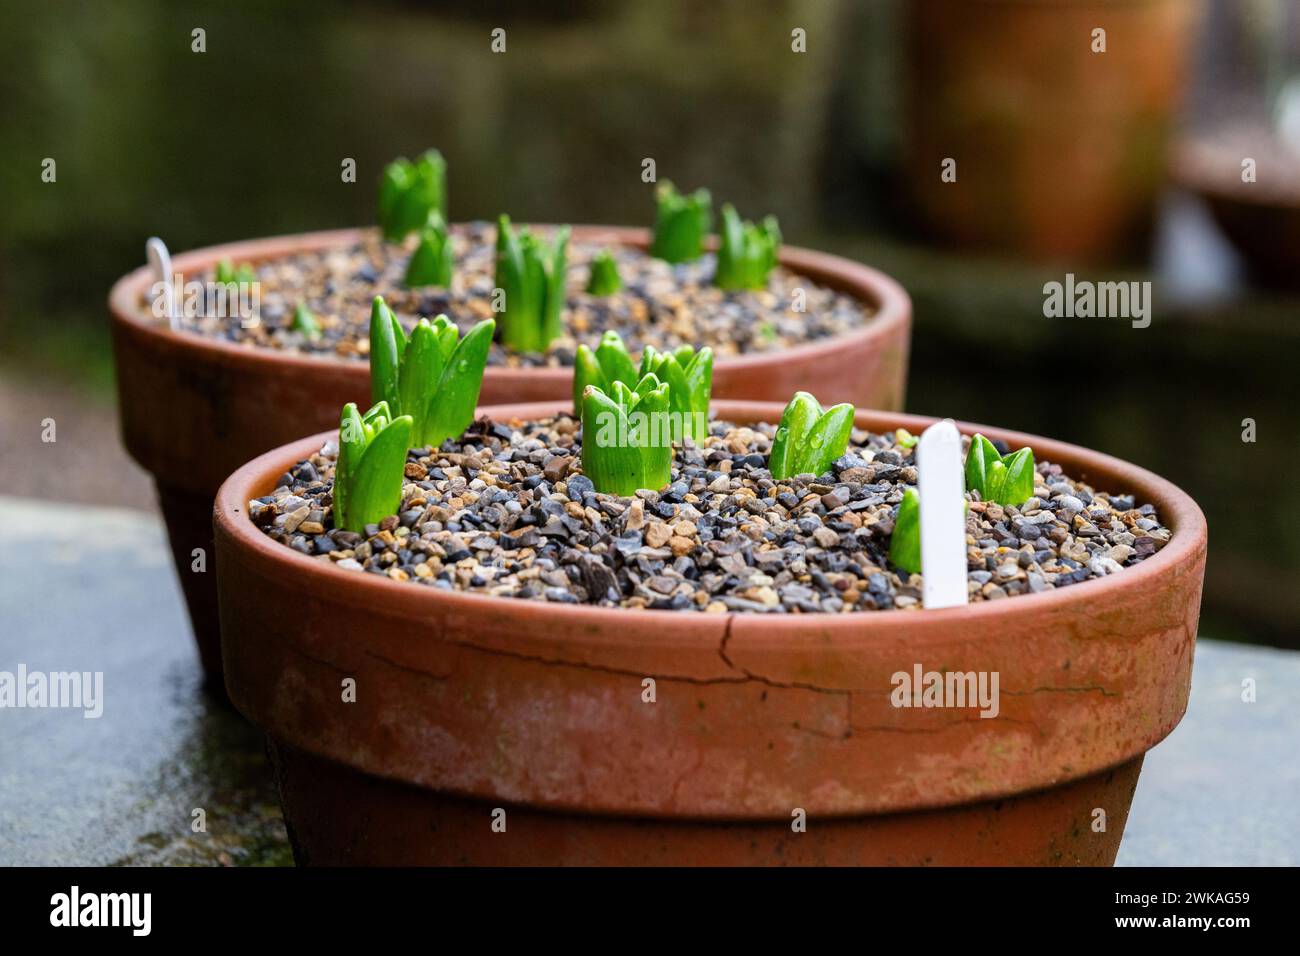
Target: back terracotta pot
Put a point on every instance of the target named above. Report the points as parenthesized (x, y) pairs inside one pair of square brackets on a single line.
[(193, 409), (1263, 225), (472, 710), (1059, 151)]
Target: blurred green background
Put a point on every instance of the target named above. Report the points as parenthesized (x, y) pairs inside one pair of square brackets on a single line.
[(246, 139)]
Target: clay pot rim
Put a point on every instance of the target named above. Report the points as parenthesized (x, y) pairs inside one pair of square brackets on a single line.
[(1213, 189), (891, 302), (589, 626)]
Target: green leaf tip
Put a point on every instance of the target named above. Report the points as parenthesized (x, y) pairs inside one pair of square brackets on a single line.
[(604, 279), (688, 373), (410, 192), (431, 262), (530, 277), (809, 438), (608, 363), (681, 223), (371, 465), (305, 323), (626, 437), (387, 343), (1006, 479), (905, 543), (434, 377), (746, 252), (689, 376), (226, 273)]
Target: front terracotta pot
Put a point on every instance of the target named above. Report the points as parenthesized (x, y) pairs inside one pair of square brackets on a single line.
[(472, 710), (193, 409)]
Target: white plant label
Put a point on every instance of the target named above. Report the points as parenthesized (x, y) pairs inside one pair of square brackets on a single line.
[(943, 516), (160, 263)]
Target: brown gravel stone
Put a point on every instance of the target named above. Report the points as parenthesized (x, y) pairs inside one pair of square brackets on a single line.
[(636, 515), (680, 546), (657, 535), (556, 468)]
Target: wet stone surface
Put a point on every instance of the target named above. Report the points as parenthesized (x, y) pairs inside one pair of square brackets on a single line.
[(660, 304), (1220, 790), (505, 511), (92, 589)]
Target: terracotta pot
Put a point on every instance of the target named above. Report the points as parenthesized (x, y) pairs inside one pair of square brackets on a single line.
[(1261, 222), (1059, 150), (193, 409), (467, 703)]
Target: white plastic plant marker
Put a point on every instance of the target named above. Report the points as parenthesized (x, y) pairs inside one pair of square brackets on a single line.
[(941, 487), (160, 263)]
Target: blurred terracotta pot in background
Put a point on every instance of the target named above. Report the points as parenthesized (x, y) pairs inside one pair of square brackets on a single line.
[(473, 710), (1260, 216), (193, 408), (1059, 150)]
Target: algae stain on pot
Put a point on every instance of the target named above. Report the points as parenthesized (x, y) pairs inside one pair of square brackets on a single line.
[(213, 387)]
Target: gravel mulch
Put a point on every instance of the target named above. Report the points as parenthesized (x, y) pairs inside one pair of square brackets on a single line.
[(505, 511), (660, 304)]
